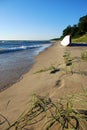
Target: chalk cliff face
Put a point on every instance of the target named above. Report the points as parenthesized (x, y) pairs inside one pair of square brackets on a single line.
[(66, 41)]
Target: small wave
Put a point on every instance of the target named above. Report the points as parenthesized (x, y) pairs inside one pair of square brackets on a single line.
[(20, 48)]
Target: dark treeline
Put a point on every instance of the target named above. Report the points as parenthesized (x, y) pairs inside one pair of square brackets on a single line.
[(76, 30)]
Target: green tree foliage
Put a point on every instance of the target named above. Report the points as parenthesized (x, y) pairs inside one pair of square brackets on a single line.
[(67, 30), (83, 24), (74, 31), (77, 29)]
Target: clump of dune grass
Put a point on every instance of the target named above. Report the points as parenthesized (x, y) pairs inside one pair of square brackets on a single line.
[(38, 105), (67, 58), (60, 113), (64, 115), (84, 55), (51, 68), (68, 62), (85, 92)]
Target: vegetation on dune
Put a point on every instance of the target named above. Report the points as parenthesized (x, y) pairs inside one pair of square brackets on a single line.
[(68, 60), (80, 39), (84, 55), (52, 68), (61, 113)]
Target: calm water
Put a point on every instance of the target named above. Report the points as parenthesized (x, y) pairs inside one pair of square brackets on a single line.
[(16, 58)]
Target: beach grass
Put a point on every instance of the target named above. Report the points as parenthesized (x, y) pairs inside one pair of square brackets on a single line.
[(51, 68), (84, 55), (61, 113), (68, 60)]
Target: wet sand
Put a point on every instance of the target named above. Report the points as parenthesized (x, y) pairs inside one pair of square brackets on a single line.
[(13, 66)]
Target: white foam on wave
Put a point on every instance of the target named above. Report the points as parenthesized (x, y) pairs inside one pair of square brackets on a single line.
[(20, 47)]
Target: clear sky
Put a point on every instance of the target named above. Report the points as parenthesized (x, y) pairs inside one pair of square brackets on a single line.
[(38, 19)]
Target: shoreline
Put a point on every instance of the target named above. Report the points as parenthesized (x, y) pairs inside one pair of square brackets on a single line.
[(59, 84), (18, 92), (19, 76)]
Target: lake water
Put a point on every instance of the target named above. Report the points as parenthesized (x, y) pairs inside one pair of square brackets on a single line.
[(16, 58)]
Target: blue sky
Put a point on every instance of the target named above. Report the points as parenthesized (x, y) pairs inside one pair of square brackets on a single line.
[(38, 19)]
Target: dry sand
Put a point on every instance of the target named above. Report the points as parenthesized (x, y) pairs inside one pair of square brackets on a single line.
[(15, 99)]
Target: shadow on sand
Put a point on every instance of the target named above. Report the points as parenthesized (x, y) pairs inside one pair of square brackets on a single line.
[(78, 44)]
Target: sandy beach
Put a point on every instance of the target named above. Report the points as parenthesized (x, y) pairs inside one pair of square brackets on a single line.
[(14, 100)]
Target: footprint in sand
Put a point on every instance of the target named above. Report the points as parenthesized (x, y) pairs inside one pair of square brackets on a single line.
[(59, 83)]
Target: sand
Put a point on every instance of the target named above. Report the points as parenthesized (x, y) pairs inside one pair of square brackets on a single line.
[(14, 100)]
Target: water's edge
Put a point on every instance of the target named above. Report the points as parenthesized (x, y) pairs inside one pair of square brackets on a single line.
[(20, 77)]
